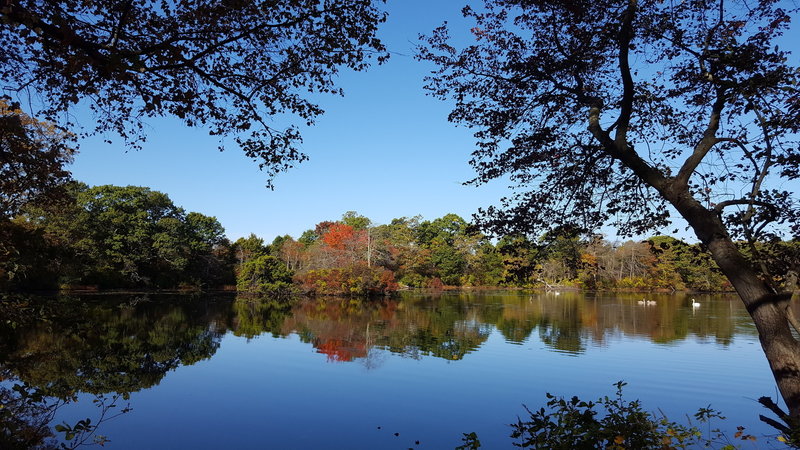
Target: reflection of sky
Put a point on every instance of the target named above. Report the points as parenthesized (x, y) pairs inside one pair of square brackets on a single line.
[(281, 393)]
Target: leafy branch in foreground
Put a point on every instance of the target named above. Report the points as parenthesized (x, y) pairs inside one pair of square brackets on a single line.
[(26, 413), (612, 423), (84, 432)]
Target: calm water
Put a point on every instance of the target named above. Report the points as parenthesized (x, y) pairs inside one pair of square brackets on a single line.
[(217, 372)]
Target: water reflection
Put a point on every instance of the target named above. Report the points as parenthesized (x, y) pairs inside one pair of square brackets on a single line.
[(128, 343), (120, 344), (59, 347)]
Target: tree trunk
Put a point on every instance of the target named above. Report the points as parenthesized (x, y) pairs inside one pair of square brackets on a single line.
[(767, 308)]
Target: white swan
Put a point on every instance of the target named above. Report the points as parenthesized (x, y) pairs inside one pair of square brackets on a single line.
[(695, 304), (651, 302), (641, 302)]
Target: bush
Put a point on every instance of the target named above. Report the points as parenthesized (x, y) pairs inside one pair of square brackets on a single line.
[(355, 280)]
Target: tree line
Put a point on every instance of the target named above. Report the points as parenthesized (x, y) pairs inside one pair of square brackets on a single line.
[(133, 237), (352, 255)]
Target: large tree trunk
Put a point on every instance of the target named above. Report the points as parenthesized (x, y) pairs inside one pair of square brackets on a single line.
[(768, 309)]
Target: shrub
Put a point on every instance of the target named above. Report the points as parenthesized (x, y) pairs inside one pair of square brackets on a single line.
[(354, 280)]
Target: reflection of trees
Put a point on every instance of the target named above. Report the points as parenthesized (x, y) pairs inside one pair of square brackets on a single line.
[(348, 329), (451, 325), (258, 315), (568, 322), (71, 345), (445, 327)]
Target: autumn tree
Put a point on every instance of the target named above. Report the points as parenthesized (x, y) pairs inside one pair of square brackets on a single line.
[(230, 67), (623, 113)]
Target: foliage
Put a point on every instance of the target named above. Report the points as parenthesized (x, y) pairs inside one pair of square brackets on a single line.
[(339, 236), (24, 418), (230, 67), (356, 220), (114, 236), (84, 431), (265, 275), (354, 280), (29, 258), (471, 442), (33, 156), (248, 248), (448, 252), (610, 423)]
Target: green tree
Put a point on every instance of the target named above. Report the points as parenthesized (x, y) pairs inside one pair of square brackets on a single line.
[(265, 275), (127, 237), (250, 247), (607, 112), (308, 237), (230, 67), (439, 237), (356, 220), (559, 254)]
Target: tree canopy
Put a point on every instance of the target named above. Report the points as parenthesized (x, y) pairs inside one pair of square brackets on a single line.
[(113, 236), (232, 67), (602, 113), (607, 112), (33, 156)]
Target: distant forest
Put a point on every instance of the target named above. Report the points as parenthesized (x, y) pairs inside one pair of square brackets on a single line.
[(110, 237)]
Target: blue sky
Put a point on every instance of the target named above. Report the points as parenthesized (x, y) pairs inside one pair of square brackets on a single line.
[(385, 150)]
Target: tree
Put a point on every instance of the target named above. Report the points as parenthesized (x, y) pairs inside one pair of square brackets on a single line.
[(440, 236), (266, 275), (32, 158), (356, 220), (606, 112), (229, 66), (116, 236), (250, 247), (338, 236)]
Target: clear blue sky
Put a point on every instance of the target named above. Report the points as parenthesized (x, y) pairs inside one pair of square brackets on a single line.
[(385, 150)]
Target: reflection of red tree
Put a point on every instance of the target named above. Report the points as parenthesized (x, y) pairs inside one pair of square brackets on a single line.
[(339, 350), (343, 330)]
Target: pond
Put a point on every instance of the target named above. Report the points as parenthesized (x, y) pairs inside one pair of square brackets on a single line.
[(414, 371)]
